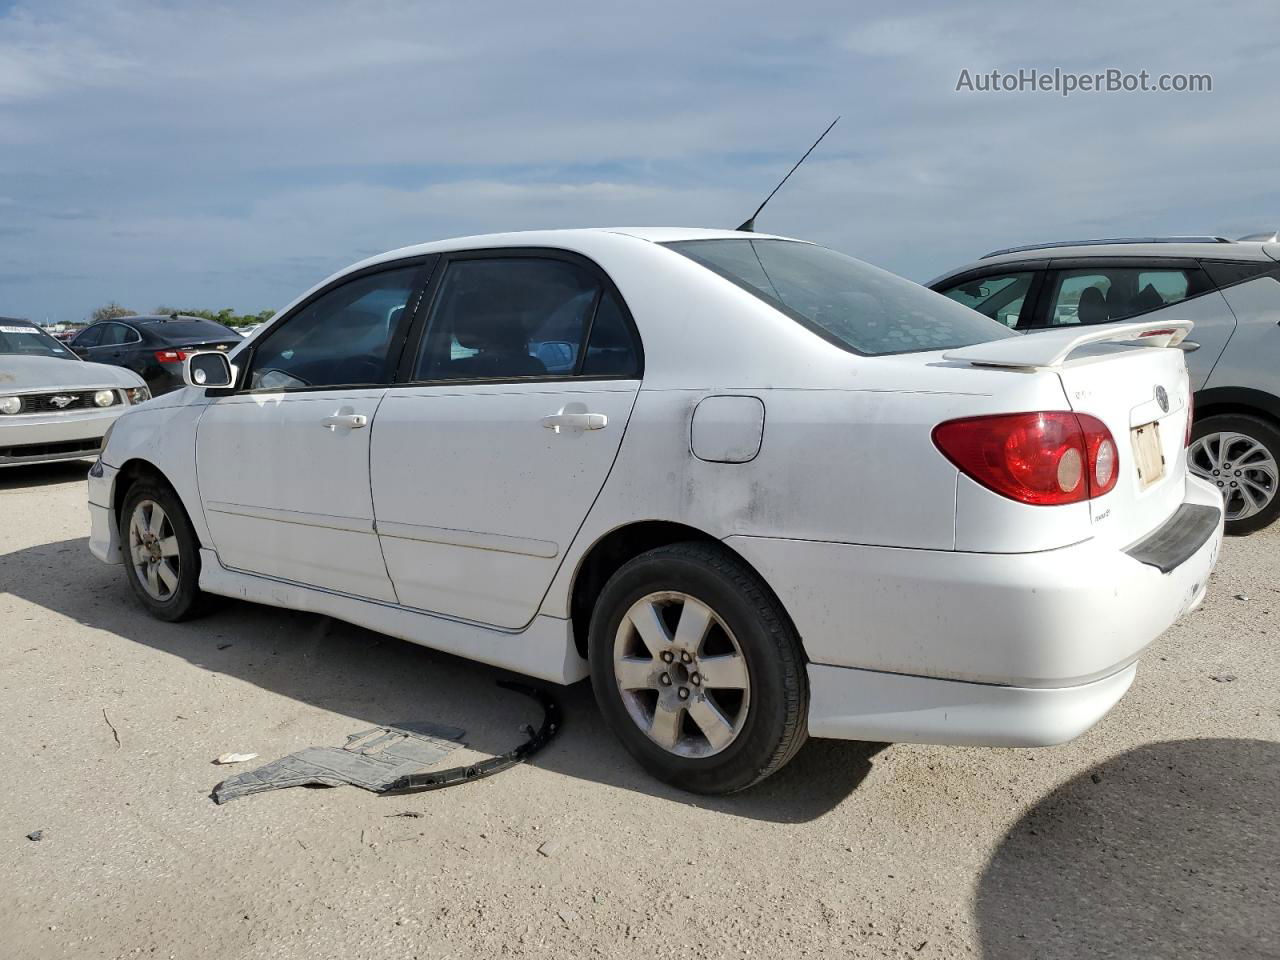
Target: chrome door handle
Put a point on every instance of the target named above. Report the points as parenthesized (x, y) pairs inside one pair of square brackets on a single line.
[(351, 421), (579, 421)]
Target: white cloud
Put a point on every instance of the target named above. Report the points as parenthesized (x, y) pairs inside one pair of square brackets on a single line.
[(232, 153)]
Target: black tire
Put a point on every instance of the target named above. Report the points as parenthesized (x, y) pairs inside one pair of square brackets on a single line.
[(185, 600), (776, 712), (1263, 432)]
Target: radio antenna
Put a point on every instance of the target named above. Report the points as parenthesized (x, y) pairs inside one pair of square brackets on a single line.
[(749, 225)]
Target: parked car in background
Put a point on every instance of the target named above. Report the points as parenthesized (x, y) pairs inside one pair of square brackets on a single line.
[(1230, 290), (754, 488), (152, 346), (53, 405)]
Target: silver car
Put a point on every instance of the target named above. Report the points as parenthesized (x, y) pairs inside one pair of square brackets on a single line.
[(53, 405), (1230, 289)]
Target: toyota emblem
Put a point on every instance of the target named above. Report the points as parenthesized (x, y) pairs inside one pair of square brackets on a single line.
[(1162, 398)]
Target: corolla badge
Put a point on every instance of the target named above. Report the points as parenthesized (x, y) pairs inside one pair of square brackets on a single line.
[(1162, 398), (61, 401)]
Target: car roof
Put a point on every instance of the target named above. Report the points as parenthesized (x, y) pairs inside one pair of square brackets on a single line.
[(570, 238), (1162, 248)]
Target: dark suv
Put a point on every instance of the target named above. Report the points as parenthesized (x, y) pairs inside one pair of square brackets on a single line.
[(1230, 289), (152, 347)]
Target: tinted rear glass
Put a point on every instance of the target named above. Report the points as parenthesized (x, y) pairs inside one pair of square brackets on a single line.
[(850, 303), (185, 329)]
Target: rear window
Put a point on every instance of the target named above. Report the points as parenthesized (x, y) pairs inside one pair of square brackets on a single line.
[(207, 329), (850, 303)]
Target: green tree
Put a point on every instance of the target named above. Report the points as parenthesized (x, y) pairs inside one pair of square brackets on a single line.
[(110, 311)]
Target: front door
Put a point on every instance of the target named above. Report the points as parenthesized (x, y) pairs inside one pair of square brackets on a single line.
[(283, 464), (485, 463)]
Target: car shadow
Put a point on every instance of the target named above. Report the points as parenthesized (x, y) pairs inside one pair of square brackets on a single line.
[(346, 669), (1168, 850), (43, 474)]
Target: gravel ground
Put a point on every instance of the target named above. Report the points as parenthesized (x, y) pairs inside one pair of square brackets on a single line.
[(1154, 835)]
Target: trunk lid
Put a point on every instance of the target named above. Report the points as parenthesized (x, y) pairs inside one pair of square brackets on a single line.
[(1142, 395), (1126, 376)]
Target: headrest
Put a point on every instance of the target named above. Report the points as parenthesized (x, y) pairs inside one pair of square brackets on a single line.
[(1093, 306)]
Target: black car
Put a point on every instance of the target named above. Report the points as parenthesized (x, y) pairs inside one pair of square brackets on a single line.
[(152, 347)]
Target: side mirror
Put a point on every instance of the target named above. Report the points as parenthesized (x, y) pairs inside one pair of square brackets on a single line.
[(207, 369)]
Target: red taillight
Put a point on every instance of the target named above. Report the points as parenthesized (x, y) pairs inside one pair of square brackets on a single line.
[(1039, 458), (171, 356)]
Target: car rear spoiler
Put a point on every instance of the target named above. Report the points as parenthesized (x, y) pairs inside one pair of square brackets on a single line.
[(1052, 347)]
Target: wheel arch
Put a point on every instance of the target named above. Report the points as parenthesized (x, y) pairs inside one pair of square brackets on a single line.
[(1238, 400), (620, 545), (134, 470)]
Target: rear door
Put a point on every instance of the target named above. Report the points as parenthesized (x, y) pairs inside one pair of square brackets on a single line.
[(1094, 290), (283, 464), (486, 459)]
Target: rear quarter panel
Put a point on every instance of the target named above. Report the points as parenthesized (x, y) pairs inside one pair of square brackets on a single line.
[(1252, 357)]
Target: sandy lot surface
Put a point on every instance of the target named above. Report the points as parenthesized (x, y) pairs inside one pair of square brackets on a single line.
[(1154, 835)]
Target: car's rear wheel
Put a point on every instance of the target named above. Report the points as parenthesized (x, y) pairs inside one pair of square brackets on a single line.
[(1239, 455), (162, 554), (697, 668)]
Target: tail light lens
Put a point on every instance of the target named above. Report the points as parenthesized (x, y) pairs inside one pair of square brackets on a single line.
[(171, 356), (1044, 459)]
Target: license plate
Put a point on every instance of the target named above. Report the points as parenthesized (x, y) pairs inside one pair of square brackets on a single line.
[(1146, 453)]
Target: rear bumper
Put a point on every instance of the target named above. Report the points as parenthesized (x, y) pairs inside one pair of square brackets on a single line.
[(848, 704), (949, 647)]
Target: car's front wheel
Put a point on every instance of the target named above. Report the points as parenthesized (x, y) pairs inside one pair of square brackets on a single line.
[(1239, 454), (162, 554), (697, 668)]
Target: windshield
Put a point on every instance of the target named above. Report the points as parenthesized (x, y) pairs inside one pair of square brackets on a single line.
[(206, 329), (850, 303), (30, 340)]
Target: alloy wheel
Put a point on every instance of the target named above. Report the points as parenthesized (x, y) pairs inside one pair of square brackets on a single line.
[(1243, 469), (681, 674), (153, 550)]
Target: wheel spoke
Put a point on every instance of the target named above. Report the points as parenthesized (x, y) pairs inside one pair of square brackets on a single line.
[(711, 722), (138, 522), (648, 623), (635, 673), (665, 728), (167, 575), (153, 580), (169, 547), (691, 630), (157, 520), (139, 553), (727, 672)]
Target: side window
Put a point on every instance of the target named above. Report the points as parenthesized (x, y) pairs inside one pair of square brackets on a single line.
[(1102, 295), (1000, 296), (89, 336), (343, 338), (507, 317), (115, 334), (611, 349)]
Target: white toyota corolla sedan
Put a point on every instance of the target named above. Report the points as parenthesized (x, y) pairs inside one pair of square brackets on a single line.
[(753, 488)]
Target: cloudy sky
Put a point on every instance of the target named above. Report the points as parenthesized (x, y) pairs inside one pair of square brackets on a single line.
[(231, 154)]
